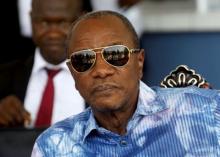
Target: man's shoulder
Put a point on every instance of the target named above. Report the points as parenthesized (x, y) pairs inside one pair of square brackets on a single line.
[(190, 90), (70, 128), (14, 77), (192, 98), (17, 64), (16, 68)]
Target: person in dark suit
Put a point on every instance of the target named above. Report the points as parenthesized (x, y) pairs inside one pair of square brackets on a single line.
[(22, 82), (13, 41)]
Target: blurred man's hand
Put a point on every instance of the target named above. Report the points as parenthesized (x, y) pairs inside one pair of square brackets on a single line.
[(12, 113)]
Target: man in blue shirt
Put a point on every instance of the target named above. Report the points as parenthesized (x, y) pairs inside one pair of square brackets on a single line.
[(126, 117)]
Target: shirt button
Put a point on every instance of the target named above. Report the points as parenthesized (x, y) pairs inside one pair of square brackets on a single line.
[(123, 143)]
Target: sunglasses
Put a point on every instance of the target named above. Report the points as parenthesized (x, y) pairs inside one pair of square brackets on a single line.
[(115, 55)]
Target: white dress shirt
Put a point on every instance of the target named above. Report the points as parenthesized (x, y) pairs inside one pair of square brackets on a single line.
[(67, 100)]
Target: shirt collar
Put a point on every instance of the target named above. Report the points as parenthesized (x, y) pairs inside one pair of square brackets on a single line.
[(40, 63), (148, 104), (91, 125)]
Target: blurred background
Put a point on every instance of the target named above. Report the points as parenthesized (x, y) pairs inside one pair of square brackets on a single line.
[(172, 32), (181, 32)]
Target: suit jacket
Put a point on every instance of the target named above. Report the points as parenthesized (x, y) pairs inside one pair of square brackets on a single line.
[(14, 78), (14, 44)]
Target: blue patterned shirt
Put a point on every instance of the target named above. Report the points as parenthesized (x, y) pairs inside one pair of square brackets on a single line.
[(181, 122)]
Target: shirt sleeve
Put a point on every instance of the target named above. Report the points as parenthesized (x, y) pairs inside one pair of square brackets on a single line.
[(36, 152)]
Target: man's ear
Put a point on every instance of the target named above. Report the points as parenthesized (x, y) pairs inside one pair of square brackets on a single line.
[(140, 63), (72, 72), (70, 69)]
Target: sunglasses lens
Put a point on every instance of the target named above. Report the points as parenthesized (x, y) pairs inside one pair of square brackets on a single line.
[(83, 60), (117, 55)]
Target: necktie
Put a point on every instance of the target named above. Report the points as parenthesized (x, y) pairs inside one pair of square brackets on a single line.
[(46, 107)]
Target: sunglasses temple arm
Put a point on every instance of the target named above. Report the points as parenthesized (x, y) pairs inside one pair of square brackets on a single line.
[(135, 50)]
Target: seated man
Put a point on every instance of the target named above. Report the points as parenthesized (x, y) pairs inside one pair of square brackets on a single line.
[(126, 117)]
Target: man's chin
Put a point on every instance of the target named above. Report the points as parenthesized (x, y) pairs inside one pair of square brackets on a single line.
[(55, 49), (55, 60), (54, 56), (106, 106)]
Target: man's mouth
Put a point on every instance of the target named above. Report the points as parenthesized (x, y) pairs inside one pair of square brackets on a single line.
[(53, 44), (104, 88)]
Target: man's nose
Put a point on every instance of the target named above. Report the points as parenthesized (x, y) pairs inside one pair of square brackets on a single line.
[(54, 31), (102, 69)]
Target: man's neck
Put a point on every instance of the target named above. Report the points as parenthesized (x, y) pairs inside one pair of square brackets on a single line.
[(115, 121)]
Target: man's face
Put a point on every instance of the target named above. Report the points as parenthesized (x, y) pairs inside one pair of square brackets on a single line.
[(51, 20), (104, 87)]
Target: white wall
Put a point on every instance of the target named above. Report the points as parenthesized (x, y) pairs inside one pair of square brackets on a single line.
[(181, 15)]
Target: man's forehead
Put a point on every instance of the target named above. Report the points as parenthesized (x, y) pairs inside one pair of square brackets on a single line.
[(86, 36), (102, 23)]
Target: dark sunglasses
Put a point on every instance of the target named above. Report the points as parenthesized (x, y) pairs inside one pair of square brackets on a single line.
[(115, 55)]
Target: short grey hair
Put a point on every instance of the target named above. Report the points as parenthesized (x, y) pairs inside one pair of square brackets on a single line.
[(102, 13)]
